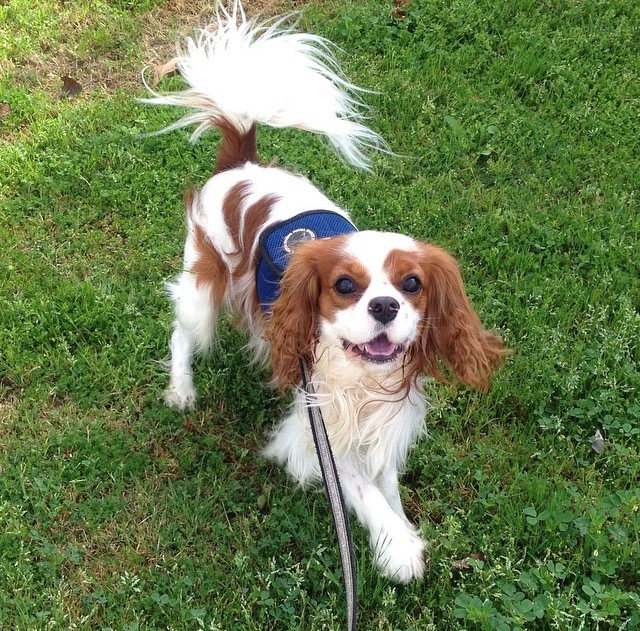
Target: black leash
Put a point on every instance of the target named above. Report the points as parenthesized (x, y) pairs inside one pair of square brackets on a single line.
[(334, 495)]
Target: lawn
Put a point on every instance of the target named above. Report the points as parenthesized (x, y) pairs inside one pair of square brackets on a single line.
[(515, 132)]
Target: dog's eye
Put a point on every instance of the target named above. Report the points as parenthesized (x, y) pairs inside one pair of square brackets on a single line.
[(345, 286), (411, 285)]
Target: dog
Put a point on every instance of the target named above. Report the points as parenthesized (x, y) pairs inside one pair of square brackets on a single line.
[(373, 314)]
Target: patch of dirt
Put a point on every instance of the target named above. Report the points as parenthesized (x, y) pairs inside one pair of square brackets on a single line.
[(7, 407), (90, 51)]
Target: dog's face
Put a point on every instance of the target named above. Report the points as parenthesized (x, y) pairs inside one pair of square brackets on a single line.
[(387, 302), (372, 297)]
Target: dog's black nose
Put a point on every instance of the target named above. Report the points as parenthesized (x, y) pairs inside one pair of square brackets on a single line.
[(383, 308)]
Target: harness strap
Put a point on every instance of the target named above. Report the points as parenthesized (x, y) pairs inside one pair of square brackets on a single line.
[(334, 495)]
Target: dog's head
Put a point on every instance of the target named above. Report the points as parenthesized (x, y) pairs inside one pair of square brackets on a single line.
[(387, 302)]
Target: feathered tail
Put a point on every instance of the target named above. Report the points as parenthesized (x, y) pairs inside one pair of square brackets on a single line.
[(242, 72)]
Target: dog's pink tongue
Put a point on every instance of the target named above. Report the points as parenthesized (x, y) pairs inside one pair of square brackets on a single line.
[(380, 346)]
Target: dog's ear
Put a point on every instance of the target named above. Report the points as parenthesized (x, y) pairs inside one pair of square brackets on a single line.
[(452, 331), (292, 327)]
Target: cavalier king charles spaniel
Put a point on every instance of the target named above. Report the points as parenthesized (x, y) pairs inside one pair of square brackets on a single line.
[(374, 314)]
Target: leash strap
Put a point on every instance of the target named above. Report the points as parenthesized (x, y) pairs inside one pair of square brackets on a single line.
[(336, 500)]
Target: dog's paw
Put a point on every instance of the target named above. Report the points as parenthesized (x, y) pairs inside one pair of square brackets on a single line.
[(399, 554), (183, 397)]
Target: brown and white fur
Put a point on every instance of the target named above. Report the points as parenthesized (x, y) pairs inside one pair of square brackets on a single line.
[(374, 314)]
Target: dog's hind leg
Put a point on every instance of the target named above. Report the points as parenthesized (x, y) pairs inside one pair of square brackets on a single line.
[(194, 328)]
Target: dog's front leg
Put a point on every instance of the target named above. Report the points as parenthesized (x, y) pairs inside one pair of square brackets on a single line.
[(388, 484), (396, 544)]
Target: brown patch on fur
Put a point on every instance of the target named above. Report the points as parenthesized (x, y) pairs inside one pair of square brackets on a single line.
[(237, 147), (332, 266), (254, 219), (451, 330), (232, 210), (245, 233), (402, 264), (209, 268)]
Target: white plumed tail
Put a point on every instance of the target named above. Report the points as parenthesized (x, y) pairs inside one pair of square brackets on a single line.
[(247, 72)]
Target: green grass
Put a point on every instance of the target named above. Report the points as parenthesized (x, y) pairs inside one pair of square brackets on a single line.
[(517, 127)]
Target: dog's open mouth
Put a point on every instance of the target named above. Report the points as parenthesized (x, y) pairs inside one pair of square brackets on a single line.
[(379, 350)]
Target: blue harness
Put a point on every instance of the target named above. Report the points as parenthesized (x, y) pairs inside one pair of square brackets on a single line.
[(278, 240)]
